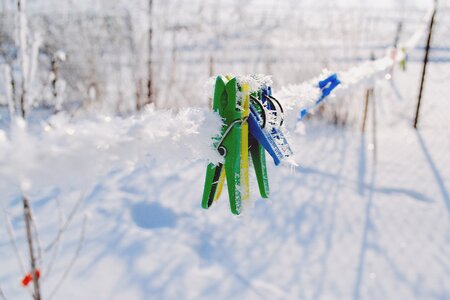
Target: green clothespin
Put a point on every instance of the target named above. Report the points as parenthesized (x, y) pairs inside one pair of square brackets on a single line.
[(403, 61), (229, 146)]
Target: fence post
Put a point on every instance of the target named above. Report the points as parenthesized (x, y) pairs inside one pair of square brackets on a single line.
[(23, 53), (369, 93), (425, 62), (211, 66), (150, 94), (366, 108)]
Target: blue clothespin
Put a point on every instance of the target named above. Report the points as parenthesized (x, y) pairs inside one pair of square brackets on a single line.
[(263, 136), (273, 140), (326, 86)]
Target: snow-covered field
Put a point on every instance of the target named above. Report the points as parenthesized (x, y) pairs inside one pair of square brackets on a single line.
[(341, 226), (116, 200)]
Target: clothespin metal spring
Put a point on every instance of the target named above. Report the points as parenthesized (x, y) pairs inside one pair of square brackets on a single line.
[(222, 150)]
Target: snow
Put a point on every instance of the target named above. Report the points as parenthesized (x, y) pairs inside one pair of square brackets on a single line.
[(361, 217), (339, 227)]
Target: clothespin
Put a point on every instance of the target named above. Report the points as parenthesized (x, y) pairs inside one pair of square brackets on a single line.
[(284, 150), (404, 59), (229, 146), (326, 87), (263, 136)]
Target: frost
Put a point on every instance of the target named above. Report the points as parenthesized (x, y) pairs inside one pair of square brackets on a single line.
[(86, 149)]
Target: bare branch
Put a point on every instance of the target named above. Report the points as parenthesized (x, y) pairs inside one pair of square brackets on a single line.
[(66, 224), (13, 242), (36, 238), (2, 295), (55, 251), (27, 215), (74, 259), (12, 239)]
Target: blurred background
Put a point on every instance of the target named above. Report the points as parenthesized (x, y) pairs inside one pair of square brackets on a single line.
[(103, 54)]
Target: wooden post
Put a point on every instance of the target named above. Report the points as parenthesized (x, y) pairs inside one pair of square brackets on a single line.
[(150, 94), (54, 81), (54, 70), (27, 215), (369, 93), (23, 53), (425, 62), (366, 108), (139, 93), (211, 66), (397, 34)]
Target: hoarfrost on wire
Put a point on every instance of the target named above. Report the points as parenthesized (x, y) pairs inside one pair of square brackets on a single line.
[(72, 154)]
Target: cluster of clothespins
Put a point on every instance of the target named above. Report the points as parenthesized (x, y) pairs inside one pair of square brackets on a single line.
[(252, 124)]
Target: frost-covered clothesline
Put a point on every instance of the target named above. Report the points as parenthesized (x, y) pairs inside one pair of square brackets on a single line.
[(84, 150), (74, 154)]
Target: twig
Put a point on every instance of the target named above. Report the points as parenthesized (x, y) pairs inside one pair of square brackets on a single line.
[(66, 224), (36, 238), (366, 106), (9, 93), (74, 259), (27, 215), (2, 295), (374, 126), (55, 252), (12, 239)]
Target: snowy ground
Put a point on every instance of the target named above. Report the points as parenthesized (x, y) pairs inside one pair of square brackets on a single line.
[(339, 227)]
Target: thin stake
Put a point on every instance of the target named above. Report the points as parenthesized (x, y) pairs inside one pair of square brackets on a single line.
[(369, 94), (211, 66), (150, 95), (425, 63), (2, 295), (27, 214), (374, 127), (23, 53), (366, 108)]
